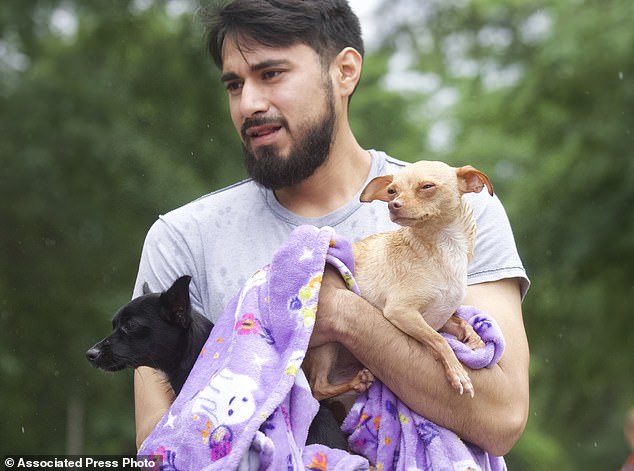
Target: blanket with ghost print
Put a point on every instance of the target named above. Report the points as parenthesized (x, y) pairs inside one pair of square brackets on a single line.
[(247, 403), (246, 394)]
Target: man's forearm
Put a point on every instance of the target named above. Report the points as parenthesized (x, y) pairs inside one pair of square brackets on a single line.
[(152, 398), (493, 420)]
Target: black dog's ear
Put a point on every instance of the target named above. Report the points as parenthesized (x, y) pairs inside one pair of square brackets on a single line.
[(175, 302), (146, 289)]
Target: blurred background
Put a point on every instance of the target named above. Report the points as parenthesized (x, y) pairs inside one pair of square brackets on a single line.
[(111, 114)]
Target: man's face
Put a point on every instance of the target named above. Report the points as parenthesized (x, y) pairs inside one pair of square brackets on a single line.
[(282, 104)]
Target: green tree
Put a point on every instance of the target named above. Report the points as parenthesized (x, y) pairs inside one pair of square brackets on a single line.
[(543, 98), (102, 130)]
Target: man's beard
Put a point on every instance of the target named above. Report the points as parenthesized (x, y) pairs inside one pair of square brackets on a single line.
[(308, 152)]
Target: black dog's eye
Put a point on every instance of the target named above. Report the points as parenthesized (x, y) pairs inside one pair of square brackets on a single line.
[(129, 326)]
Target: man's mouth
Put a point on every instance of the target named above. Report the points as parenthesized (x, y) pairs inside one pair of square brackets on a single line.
[(261, 131), (255, 132)]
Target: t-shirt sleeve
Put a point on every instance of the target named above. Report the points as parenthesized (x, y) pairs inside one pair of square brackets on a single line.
[(166, 257), (495, 256)]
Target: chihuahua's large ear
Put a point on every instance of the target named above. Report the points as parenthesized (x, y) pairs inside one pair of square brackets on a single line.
[(377, 189), (471, 180), (175, 303)]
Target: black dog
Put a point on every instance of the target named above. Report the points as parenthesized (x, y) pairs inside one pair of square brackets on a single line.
[(159, 330), (162, 331)]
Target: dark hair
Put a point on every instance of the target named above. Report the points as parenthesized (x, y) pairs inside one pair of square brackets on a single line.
[(327, 26)]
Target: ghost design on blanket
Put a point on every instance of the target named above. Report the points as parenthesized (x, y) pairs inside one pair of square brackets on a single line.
[(227, 399)]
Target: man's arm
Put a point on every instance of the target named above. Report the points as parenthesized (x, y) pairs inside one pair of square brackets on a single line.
[(494, 419), (152, 397), (165, 257)]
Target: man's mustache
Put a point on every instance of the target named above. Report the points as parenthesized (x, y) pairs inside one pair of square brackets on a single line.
[(251, 122)]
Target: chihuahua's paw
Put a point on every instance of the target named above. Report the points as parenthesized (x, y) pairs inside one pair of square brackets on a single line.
[(463, 331), (474, 342), (363, 380), (459, 380)]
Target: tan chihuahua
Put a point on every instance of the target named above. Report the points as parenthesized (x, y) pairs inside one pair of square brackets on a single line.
[(417, 275)]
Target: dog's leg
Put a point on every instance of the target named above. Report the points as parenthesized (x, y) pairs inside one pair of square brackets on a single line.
[(323, 389), (463, 331), (317, 366), (412, 323)]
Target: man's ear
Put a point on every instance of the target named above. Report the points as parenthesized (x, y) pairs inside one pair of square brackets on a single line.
[(347, 70), (377, 189), (175, 303), (471, 180)]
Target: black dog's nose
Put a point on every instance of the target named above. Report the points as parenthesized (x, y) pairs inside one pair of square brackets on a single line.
[(93, 353)]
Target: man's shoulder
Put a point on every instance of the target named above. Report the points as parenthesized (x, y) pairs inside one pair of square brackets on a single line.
[(209, 212), (233, 196), (245, 188), (386, 163)]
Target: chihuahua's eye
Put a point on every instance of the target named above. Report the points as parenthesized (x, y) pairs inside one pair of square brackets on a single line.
[(391, 191)]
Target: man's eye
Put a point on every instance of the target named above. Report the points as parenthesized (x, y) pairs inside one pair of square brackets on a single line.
[(427, 186), (233, 87), (270, 74)]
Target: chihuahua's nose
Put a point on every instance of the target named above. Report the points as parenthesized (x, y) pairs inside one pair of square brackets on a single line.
[(92, 354), (394, 205)]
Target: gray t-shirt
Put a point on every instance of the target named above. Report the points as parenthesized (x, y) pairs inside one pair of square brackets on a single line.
[(222, 238)]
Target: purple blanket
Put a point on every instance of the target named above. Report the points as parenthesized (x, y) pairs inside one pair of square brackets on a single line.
[(392, 437), (247, 403), (247, 394)]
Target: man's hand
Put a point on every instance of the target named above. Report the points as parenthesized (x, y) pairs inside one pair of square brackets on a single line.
[(495, 419), (328, 308)]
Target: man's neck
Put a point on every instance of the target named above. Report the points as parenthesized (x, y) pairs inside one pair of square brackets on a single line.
[(332, 185)]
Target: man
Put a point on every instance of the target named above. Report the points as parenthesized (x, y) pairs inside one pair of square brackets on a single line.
[(290, 69)]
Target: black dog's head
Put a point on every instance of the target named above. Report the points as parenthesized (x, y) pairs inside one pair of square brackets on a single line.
[(148, 331)]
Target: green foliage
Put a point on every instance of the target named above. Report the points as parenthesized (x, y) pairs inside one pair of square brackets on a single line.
[(546, 109), (379, 116), (100, 133)]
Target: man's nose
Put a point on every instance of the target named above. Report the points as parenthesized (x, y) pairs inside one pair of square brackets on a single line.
[(252, 100)]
